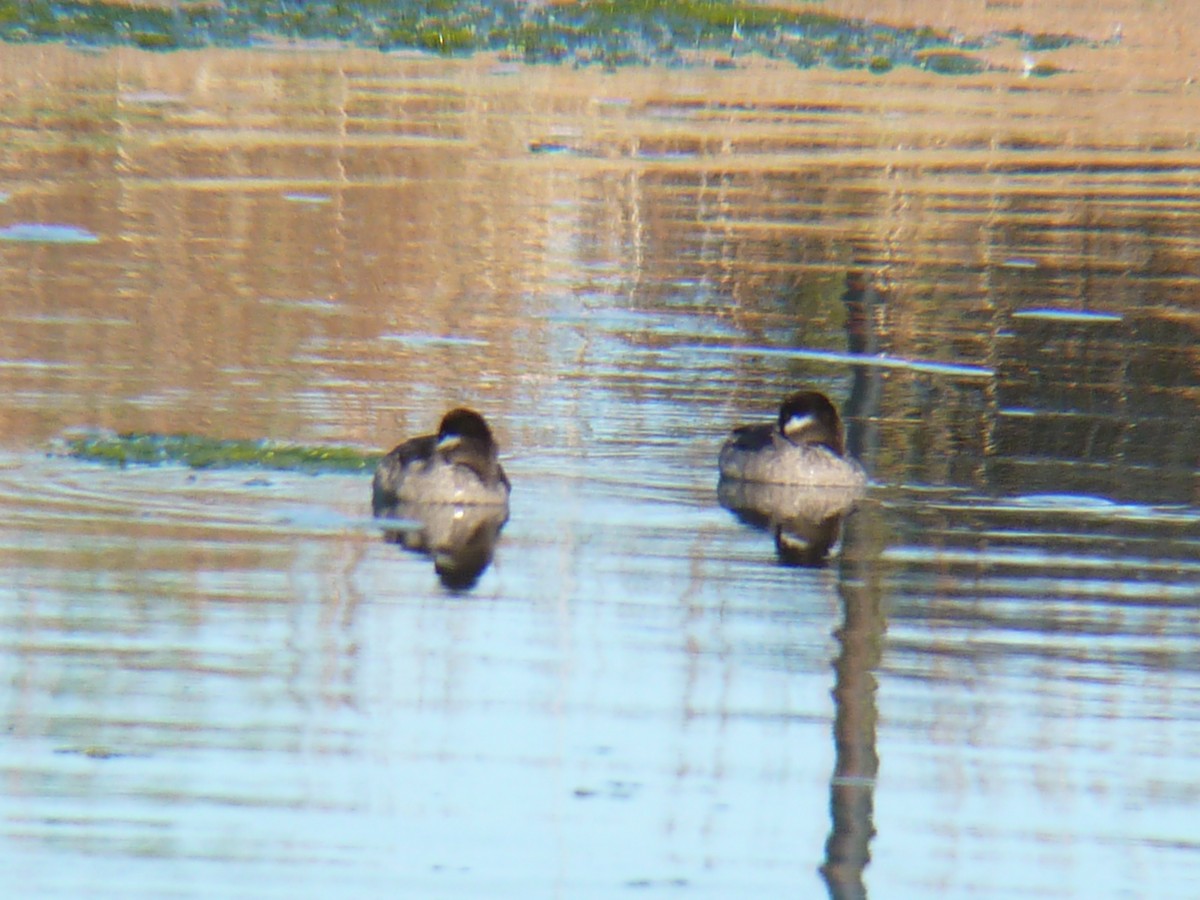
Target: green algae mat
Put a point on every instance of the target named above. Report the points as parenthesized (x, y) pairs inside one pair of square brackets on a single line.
[(138, 448)]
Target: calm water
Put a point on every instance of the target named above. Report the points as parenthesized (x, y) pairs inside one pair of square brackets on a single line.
[(227, 683)]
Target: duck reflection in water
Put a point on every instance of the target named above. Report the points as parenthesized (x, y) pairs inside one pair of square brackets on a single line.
[(460, 540), (804, 521), (793, 478), (452, 490)]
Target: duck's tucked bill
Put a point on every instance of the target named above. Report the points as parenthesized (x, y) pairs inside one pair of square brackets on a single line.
[(460, 464)]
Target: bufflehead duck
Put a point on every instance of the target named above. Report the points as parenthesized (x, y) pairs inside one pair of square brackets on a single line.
[(805, 448), (459, 464)]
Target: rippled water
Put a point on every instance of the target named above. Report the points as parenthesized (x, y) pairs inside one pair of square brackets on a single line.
[(222, 683)]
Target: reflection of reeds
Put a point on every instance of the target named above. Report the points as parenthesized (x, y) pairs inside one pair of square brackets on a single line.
[(446, 218), (201, 244)]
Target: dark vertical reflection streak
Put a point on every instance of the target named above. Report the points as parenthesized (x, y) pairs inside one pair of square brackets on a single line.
[(860, 637), (863, 304), (856, 760)]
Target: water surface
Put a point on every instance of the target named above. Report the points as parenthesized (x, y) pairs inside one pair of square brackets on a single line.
[(226, 682)]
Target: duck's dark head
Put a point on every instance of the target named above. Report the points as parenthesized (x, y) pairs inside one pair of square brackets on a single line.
[(464, 426), (808, 417)]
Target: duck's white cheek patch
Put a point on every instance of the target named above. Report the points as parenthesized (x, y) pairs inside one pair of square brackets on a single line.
[(797, 424)]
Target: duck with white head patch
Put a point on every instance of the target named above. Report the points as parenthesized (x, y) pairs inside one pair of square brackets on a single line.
[(460, 464), (804, 447)]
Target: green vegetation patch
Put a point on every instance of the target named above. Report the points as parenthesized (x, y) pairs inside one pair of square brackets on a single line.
[(951, 62), (146, 449), (1042, 42), (583, 32)]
